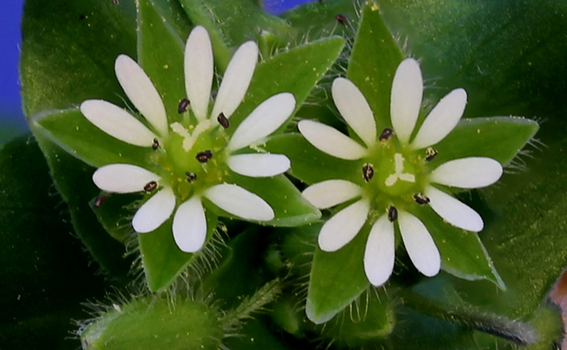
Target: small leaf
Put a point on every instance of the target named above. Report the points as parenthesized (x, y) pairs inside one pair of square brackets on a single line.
[(500, 138), (337, 278), (374, 60)]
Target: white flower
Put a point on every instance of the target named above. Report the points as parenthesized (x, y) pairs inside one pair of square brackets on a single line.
[(177, 177), (393, 172)]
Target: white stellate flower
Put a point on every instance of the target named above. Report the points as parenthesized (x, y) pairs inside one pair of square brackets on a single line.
[(192, 158), (397, 174)]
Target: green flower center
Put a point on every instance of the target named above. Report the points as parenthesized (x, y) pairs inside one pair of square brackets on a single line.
[(395, 175)]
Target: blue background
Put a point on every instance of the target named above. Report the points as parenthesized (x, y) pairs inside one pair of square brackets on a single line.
[(11, 116)]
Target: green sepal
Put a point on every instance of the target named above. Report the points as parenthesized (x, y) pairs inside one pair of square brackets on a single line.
[(462, 253), (295, 71), (241, 21), (374, 60), (161, 258), (160, 54), (72, 132), (154, 323), (310, 165), (500, 138), (337, 278), (114, 212), (290, 208)]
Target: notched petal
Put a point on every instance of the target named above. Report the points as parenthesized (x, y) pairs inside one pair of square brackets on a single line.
[(329, 193), (454, 211), (258, 164), (154, 212), (379, 254), (239, 202), (405, 104), (472, 172), (190, 225), (419, 244), (342, 227), (123, 178), (331, 141), (199, 71)]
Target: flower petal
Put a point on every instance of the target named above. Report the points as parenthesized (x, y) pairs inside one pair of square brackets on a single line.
[(407, 92), (258, 164), (240, 202), (190, 225), (343, 226), (329, 193), (154, 212), (263, 121), (355, 110), (236, 79), (454, 211), (441, 120), (140, 90), (117, 123), (123, 178), (472, 172), (420, 246), (199, 71), (331, 141), (379, 254)]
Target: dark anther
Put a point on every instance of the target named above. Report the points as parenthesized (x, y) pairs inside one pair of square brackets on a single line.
[(386, 134), (155, 145), (392, 213), (430, 153), (183, 106), (191, 177), (341, 19), (367, 172), (99, 201), (152, 185), (420, 199), (223, 121), (214, 94), (204, 156)]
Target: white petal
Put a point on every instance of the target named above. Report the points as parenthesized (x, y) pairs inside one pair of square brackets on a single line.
[(263, 121), (258, 164), (355, 110), (473, 172), (199, 71), (331, 141), (240, 202), (154, 212), (190, 225), (420, 246), (140, 90), (123, 178), (379, 254), (343, 226), (441, 120), (407, 91), (236, 79), (117, 123), (454, 211), (329, 193)]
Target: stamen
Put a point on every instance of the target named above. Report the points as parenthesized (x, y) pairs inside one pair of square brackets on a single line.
[(191, 177), (386, 134), (99, 201), (392, 213), (150, 186), (223, 121), (341, 19), (430, 153), (421, 199), (367, 172), (155, 145), (183, 106), (204, 156)]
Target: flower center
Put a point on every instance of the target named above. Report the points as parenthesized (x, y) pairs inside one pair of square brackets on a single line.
[(394, 175)]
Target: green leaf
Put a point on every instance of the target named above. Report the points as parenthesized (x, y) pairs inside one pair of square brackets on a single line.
[(73, 180), (72, 132), (310, 165), (231, 23), (337, 278), (160, 54), (44, 270), (295, 71), (374, 60), (161, 258), (289, 206), (68, 51), (462, 253), (500, 138)]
